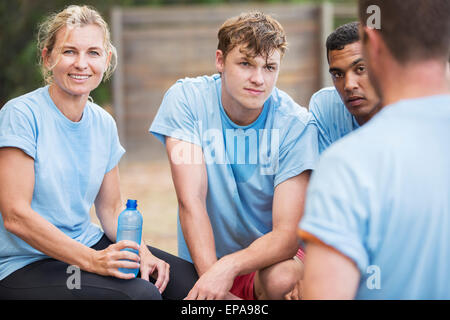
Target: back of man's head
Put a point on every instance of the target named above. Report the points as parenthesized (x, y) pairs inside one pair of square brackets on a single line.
[(342, 36), (412, 29)]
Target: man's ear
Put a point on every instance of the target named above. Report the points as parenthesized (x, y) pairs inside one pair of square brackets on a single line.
[(365, 42), (373, 43), (220, 61)]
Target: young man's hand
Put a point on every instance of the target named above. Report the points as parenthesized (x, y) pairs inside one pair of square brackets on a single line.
[(215, 283)]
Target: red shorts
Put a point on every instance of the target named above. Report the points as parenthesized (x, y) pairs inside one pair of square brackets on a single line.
[(300, 254), (243, 285)]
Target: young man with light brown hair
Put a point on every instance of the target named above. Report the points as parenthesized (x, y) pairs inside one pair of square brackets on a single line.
[(241, 152)]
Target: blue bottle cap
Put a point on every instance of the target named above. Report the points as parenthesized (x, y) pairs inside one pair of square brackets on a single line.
[(131, 204)]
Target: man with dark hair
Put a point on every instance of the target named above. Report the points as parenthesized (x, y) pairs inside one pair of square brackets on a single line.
[(377, 216), (343, 35), (352, 101)]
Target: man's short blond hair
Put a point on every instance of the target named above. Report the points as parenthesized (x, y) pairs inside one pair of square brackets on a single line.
[(258, 33)]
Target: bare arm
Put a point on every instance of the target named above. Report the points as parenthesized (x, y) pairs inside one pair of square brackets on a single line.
[(281, 243), (108, 205), (16, 192), (191, 185), (328, 274), (278, 245)]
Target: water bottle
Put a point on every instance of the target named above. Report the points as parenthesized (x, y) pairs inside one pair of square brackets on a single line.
[(129, 227)]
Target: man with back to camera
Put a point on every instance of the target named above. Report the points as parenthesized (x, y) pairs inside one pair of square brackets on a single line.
[(378, 209), (352, 101), (241, 152)]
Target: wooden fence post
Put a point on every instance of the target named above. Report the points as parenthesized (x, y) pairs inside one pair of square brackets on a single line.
[(118, 83), (326, 27)]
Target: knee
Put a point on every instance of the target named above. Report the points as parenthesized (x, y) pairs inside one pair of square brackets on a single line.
[(143, 290), (279, 279)]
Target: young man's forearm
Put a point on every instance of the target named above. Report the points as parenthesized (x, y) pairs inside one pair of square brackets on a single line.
[(273, 247), (199, 237)]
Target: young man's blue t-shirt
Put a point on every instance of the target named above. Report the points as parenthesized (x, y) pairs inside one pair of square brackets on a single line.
[(244, 163), (70, 162), (381, 196), (333, 119)]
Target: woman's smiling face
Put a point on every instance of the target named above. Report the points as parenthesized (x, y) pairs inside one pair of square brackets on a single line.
[(79, 61)]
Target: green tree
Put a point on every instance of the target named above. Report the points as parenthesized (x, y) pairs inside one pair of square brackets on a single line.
[(19, 25)]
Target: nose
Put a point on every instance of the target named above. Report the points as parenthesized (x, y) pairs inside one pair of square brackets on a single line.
[(257, 77), (351, 82), (81, 62)]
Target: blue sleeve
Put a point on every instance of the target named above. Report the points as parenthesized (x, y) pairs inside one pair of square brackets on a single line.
[(175, 117), (117, 151), (336, 210), (298, 152), (18, 129), (316, 110)]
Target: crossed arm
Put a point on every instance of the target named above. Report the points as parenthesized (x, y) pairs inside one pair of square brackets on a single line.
[(217, 276)]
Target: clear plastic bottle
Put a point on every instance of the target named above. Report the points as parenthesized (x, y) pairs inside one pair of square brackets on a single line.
[(129, 227)]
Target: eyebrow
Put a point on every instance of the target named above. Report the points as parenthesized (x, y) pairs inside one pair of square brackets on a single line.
[(356, 62), (72, 47), (252, 60), (351, 65)]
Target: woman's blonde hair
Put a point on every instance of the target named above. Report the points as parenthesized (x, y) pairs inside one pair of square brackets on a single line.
[(72, 17)]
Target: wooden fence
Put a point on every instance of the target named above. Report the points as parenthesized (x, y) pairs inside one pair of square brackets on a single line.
[(157, 46)]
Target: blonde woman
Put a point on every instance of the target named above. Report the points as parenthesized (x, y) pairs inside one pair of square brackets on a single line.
[(59, 155)]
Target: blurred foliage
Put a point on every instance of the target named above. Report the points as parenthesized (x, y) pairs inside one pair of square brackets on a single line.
[(19, 20)]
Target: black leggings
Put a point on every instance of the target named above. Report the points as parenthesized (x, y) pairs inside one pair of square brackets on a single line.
[(49, 278)]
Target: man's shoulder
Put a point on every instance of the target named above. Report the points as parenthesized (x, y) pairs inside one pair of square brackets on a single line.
[(201, 83), (325, 101), (366, 144), (331, 115), (194, 94), (326, 92), (287, 111)]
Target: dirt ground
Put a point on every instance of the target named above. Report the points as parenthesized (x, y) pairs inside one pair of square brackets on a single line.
[(150, 183)]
